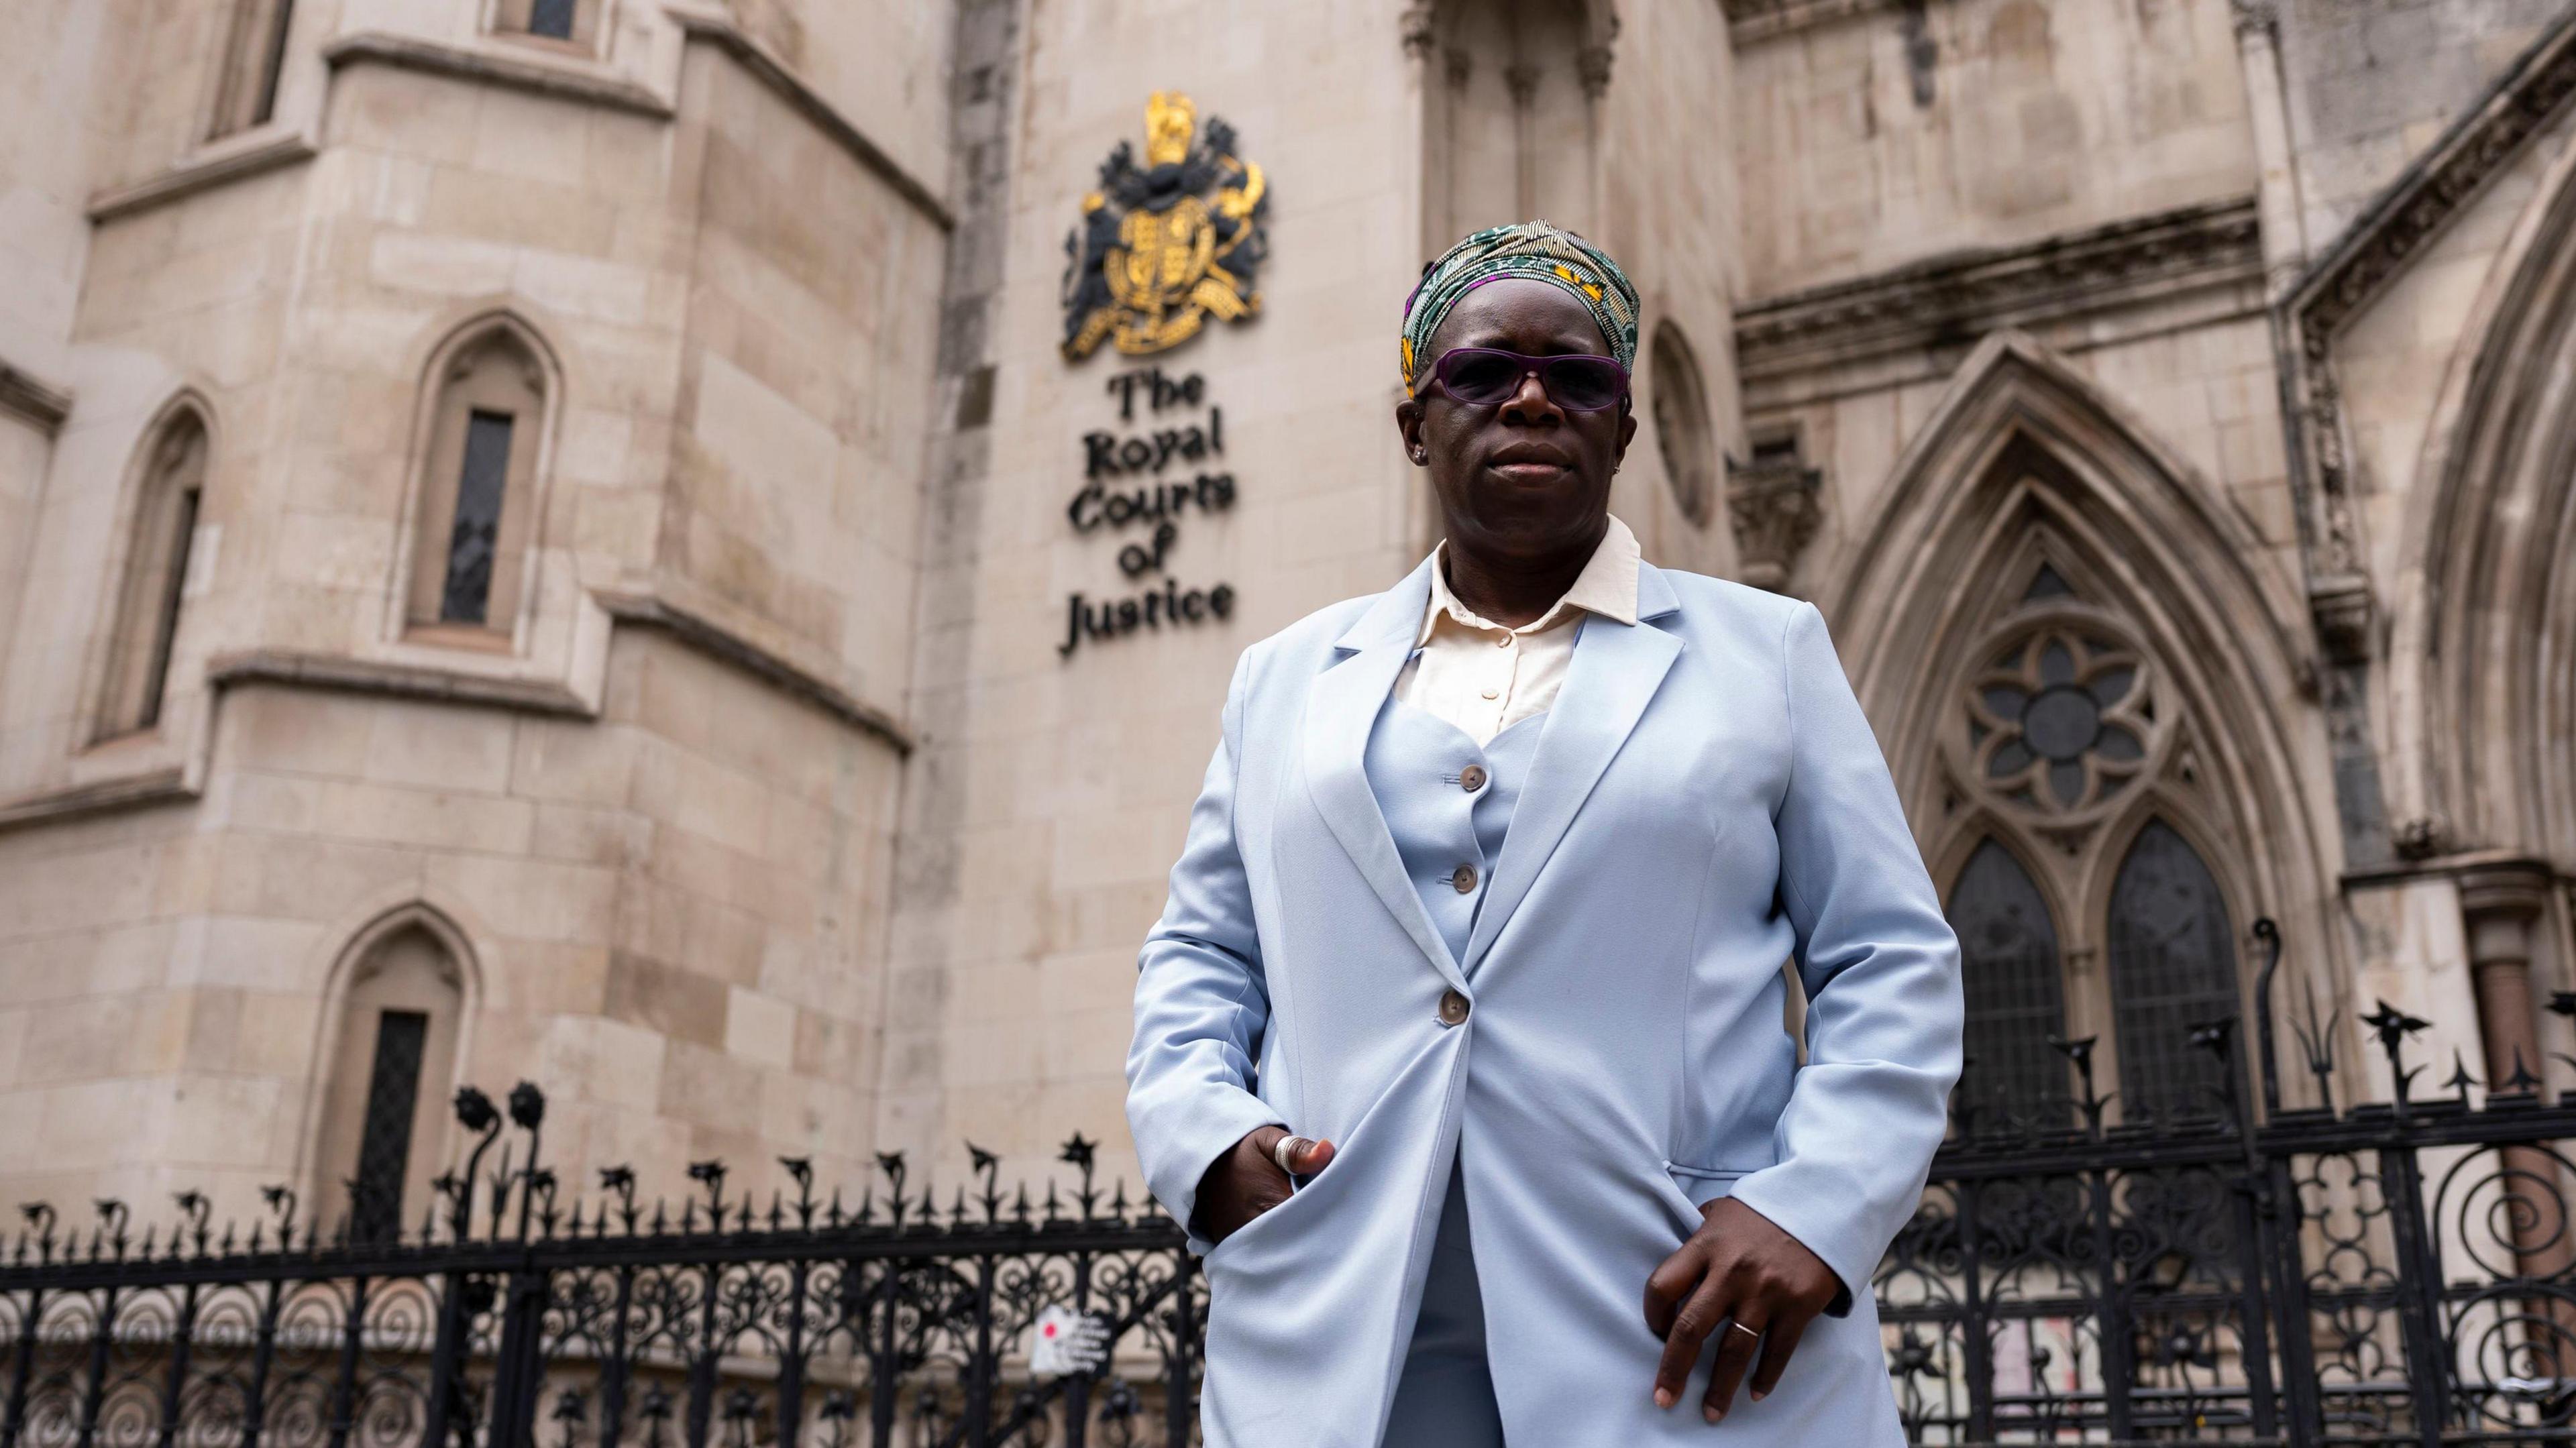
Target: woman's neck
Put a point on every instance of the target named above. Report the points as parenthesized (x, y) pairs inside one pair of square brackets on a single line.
[(1515, 591)]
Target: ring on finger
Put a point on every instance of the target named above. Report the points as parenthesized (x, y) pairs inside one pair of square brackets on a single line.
[(1287, 1147), (1752, 1332)]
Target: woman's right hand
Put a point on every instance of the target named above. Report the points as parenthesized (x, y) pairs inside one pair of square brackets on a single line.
[(1245, 1182)]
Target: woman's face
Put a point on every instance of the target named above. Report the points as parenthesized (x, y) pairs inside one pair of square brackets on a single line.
[(1524, 478)]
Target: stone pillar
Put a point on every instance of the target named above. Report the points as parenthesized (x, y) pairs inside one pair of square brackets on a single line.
[(2500, 906), (2258, 48)]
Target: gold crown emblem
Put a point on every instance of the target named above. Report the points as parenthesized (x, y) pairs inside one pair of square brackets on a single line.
[(1152, 259), (1171, 122)]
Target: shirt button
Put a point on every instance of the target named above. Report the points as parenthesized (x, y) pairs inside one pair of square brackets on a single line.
[(1505, 641), (1472, 778), (1453, 1008), (1463, 878), (1493, 693)]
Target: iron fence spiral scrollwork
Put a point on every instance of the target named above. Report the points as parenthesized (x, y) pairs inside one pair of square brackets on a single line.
[(2396, 1272), (513, 1319)]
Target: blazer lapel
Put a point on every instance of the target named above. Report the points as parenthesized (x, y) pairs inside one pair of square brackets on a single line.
[(1616, 669), (1341, 706)]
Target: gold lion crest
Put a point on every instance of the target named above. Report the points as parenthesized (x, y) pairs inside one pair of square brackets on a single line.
[(1162, 247)]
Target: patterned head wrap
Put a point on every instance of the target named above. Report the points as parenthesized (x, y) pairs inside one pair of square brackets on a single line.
[(1532, 249)]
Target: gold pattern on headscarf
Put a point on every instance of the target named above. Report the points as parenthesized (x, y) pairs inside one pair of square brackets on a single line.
[(1165, 246)]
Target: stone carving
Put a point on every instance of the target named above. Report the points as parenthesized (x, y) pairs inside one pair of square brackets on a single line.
[(1748, 21), (1592, 64), (1772, 505), (1415, 27), (1966, 296), (2380, 244), (2422, 837), (1419, 28)]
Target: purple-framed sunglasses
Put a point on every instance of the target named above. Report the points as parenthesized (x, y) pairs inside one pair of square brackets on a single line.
[(1489, 376)]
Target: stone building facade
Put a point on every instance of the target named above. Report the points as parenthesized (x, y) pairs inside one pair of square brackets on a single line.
[(545, 538)]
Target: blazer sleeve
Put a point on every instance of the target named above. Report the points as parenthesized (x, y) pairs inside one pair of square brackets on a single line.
[(1201, 1001), (1881, 969)]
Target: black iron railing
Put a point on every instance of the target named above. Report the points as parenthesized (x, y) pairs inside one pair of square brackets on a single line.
[(2394, 1272)]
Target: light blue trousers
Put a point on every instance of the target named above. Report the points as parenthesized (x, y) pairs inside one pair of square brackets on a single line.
[(1446, 1397)]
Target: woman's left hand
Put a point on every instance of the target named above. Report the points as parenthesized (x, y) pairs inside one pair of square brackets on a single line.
[(1742, 1276)]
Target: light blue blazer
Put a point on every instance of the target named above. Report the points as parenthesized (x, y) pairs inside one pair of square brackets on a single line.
[(1706, 802)]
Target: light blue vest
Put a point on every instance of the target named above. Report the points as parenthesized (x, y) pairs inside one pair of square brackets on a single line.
[(1417, 763), (1418, 767)]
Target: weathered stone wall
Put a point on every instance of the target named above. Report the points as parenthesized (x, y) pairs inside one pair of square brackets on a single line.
[(804, 381), (2372, 83), (1903, 132), (668, 908), (663, 821)]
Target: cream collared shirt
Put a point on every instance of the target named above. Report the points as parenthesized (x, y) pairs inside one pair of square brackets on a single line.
[(1484, 677)]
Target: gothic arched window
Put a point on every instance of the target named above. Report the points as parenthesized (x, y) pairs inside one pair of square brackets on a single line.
[(2172, 967), (2068, 721), (477, 496), (156, 571), (252, 56), (2016, 995), (572, 20), (383, 1129)]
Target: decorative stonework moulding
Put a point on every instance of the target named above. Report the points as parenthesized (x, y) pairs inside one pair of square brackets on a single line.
[(39, 402), (1773, 508), (2430, 192), (1748, 21), (1969, 294), (1418, 27), (2381, 243)]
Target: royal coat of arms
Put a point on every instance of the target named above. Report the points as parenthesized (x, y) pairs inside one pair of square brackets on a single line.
[(1164, 246)]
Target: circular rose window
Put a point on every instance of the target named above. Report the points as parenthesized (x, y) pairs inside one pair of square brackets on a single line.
[(2061, 718)]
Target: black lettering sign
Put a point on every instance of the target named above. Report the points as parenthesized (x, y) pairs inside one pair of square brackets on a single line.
[(1124, 484)]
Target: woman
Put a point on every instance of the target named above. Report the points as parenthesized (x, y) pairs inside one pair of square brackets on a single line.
[(1485, 897)]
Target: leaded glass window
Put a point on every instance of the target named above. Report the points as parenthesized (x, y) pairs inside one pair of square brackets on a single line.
[(2009, 962), (479, 488), (2172, 967), (478, 503), (382, 1125), (384, 1148)]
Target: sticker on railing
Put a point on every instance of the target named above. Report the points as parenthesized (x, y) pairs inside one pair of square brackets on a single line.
[(1067, 1342)]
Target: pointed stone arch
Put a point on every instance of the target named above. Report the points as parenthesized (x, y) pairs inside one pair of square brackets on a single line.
[(2034, 541), (157, 518), (412, 957), (489, 407), (2484, 645)]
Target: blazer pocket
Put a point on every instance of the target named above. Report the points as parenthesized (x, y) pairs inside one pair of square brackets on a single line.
[(1705, 1184), (1261, 1222)]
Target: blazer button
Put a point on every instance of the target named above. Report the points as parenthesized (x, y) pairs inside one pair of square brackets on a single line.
[(1453, 1008), (1472, 778), (1463, 878)]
